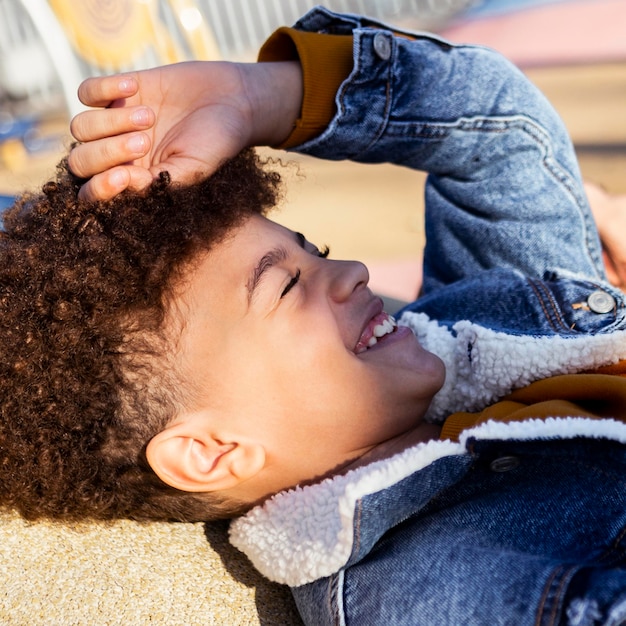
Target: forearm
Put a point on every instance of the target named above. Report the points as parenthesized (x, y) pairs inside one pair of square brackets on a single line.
[(419, 106), (325, 62), (411, 104)]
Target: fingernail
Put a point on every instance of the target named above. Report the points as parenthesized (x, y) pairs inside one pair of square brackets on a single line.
[(136, 144), (126, 85), (140, 117), (118, 179)]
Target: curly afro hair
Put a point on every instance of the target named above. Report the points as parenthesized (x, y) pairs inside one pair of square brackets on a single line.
[(84, 376)]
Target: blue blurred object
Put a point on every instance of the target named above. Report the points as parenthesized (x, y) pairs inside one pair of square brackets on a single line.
[(489, 8), (6, 201), (14, 128), (25, 130)]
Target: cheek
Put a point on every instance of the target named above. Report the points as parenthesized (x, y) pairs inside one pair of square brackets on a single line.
[(313, 379), (302, 359), (306, 341)]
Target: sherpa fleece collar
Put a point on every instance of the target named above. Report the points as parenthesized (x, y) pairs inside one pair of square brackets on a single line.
[(483, 365), (302, 535), (307, 533)]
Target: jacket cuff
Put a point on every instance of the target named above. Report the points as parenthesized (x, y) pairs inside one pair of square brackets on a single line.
[(326, 62)]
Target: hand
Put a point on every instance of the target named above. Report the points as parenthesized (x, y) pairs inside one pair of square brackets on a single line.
[(609, 212), (185, 118)]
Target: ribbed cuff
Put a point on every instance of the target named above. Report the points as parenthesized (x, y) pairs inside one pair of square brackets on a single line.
[(326, 62)]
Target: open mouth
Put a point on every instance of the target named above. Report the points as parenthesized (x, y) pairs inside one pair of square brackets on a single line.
[(378, 327)]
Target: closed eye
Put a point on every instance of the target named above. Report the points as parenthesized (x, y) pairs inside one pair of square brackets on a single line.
[(291, 284), (323, 253), (309, 247)]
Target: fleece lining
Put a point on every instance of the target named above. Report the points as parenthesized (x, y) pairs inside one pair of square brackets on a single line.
[(483, 365)]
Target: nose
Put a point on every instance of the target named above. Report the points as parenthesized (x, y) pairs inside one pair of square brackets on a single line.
[(346, 277)]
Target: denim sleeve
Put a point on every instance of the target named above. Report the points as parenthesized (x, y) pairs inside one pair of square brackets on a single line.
[(504, 188)]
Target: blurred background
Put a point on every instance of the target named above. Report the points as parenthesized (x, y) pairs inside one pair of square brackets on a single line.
[(574, 50)]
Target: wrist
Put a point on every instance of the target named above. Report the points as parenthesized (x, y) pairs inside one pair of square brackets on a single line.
[(326, 61), (274, 93)]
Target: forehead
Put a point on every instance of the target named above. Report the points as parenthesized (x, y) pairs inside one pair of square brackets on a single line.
[(212, 304), (256, 232), (220, 274)]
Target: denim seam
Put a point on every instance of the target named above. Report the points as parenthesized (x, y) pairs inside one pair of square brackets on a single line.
[(544, 597), (615, 553), (335, 604), (554, 595), (538, 135), (388, 85), (345, 93), (557, 317), (358, 513), (561, 592), (549, 318)]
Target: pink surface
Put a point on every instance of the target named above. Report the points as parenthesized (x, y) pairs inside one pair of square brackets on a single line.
[(566, 32), (400, 279)]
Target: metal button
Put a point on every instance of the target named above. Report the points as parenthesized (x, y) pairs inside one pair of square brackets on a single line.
[(382, 46), (601, 302), (504, 464)]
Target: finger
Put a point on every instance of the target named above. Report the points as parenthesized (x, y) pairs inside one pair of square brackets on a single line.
[(107, 185), (102, 90), (90, 125), (611, 269), (95, 157), (620, 271)]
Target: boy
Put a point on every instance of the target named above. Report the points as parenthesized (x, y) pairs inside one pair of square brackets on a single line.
[(285, 369)]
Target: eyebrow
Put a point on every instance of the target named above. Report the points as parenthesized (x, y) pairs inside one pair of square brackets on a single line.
[(269, 260)]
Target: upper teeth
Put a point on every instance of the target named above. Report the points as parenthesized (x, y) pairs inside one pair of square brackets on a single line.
[(382, 329)]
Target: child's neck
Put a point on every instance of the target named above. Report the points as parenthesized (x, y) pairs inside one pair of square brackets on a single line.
[(421, 434)]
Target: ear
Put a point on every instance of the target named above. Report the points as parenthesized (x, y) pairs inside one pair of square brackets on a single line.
[(186, 456)]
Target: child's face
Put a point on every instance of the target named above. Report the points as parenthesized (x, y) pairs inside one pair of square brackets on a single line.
[(274, 335)]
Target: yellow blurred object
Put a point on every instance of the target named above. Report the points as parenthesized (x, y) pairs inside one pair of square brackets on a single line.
[(13, 154), (195, 30), (113, 34)]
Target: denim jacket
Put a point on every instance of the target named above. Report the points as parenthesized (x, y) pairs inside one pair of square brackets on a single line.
[(517, 523)]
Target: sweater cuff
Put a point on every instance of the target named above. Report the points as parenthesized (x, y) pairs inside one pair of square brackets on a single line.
[(326, 62)]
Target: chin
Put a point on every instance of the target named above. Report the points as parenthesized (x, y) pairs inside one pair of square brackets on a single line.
[(428, 379), (426, 366)]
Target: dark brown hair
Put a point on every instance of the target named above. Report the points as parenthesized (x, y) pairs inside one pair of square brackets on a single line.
[(85, 381)]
